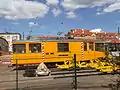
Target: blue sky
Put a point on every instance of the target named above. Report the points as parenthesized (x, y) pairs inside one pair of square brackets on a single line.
[(47, 17)]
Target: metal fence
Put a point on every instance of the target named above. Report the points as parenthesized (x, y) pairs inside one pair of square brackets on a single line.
[(14, 80)]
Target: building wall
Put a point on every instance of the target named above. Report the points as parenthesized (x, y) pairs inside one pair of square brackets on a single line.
[(9, 37), (3, 46)]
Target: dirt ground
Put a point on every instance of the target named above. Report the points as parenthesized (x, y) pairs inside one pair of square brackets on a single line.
[(8, 81)]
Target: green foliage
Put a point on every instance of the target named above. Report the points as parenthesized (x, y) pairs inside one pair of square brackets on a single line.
[(28, 37)]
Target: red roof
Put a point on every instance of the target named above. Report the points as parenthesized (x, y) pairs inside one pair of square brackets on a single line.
[(84, 32)]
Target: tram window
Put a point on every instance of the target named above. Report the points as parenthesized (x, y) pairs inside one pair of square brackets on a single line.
[(19, 48), (118, 47), (63, 47), (35, 48), (113, 47), (99, 47), (91, 46), (0, 48), (85, 46)]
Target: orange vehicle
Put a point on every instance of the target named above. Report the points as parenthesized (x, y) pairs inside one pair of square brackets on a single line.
[(54, 52)]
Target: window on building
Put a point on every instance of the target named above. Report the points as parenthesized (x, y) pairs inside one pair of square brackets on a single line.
[(99, 47), (14, 38), (35, 48), (85, 46), (2, 36), (8, 37), (63, 47), (91, 46), (19, 48)]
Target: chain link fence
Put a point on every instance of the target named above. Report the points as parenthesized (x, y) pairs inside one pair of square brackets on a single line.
[(15, 80)]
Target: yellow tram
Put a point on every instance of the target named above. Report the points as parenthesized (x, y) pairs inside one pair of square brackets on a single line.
[(55, 52)]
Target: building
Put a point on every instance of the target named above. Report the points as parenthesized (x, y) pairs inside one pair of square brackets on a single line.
[(87, 34), (9, 37), (3, 46)]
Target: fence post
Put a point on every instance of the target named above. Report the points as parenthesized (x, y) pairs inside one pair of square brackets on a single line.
[(75, 73), (16, 74)]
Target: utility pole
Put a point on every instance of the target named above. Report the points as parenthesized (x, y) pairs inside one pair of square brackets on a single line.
[(23, 35), (118, 32), (75, 74), (16, 74)]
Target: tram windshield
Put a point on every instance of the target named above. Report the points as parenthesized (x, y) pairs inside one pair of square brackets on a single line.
[(19, 48), (35, 48), (99, 47)]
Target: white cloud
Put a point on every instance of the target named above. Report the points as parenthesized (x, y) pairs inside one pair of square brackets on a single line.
[(71, 14), (72, 4), (15, 23), (31, 24), (42, 27), (75, 4), (22, 9), (56, 11), (97, 30), (52, 2), (99, 13), (112, 7), (105, 5), (102, 2)]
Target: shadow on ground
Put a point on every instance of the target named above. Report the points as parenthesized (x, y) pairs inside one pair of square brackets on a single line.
[(64, 87)]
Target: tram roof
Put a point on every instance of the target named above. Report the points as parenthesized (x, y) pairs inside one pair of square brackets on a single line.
[(58, 40)]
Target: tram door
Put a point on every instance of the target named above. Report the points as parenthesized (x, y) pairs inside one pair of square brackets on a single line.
[(91, 50), (99, 50), (88, 50)]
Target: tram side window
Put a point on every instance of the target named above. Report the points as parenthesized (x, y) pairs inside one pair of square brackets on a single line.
[(118, 47), (113, 47), (35, 48), (0, 48), (63, 47), (91, 46), (99, 47), (85, 46), (19, 48)]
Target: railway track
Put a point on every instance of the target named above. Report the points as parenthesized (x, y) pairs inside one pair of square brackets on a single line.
[(60, 74), (57, 76), (71, 72), (84, 75)]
